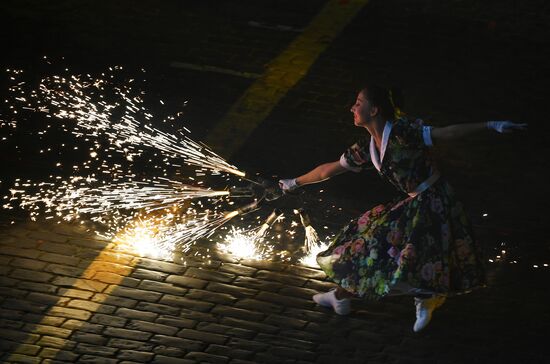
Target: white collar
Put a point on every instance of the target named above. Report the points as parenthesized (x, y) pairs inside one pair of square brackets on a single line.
[(373, 153)]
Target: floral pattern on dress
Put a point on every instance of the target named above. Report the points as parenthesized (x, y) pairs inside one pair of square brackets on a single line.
[(426, 242)]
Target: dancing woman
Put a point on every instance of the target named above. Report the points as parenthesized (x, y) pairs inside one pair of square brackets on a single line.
[(420, 245)]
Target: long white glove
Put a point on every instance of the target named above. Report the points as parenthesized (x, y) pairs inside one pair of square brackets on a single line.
[(505, 126), (288, 185)]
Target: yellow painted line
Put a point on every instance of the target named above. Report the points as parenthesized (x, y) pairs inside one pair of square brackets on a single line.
[(281, 75)]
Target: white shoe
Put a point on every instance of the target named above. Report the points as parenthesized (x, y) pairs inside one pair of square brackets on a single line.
[(424, 309), (328, 299)]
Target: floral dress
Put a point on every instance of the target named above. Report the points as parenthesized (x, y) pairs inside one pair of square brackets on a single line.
[(418, 244)]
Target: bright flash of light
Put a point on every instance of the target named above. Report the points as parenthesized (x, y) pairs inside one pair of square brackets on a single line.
[(245, 244), (312, 247), (142, 237)]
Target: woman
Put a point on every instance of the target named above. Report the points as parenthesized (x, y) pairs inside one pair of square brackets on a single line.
[(421, 245)]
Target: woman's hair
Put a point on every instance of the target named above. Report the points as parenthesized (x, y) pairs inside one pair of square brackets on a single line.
[(389, 101)]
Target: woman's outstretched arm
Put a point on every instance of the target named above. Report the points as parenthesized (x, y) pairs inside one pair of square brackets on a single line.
[(321, 173), (318, 174), (458, 131)]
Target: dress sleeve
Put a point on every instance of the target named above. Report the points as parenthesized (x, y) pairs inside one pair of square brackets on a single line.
[(357, 157), (413, 133)]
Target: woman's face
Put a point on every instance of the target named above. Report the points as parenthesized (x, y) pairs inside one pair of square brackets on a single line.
[(362, 111)]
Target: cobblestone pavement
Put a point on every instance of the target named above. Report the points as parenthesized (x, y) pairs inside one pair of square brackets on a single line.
[(67, 296)]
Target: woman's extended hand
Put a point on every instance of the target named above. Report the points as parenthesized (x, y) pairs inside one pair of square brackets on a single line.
[(505, 126), (288, 185)]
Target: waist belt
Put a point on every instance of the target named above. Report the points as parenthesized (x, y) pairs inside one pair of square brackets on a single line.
[(425, 185)]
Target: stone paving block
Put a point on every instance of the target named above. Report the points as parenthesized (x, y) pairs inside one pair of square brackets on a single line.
[(130, 344), (263, 264), (127, 334), (161, 359), (31, 275), (31, 264), (23, 305), (37, 287), (319, 286), (88, 243), (237, 313), (238, 269), (186, 281), (19, 252), (210, 296), (186, 303), (62, 355), (198, 316), (57, 248), (303, 335), (11, 314), (14, 292), (284, 321), (8, 282), (169, 351), (250, 325), (18, 336), (286, 301), (151, 327), (291, 353), (260, 306), (108, 320), (97, 265), (158, 308), (205, 357), (116, 279), (206, 337), (71, 313), (47, 236), (244, 344), (176, 321), (47, 330), (159, 266), (134, 293), (84, 326), (279, 340), (305, 272), (189, 345), (149, 274), (47, 299), (56, 342), (136, 314), (88, 338), (299, 292), (209, 275), (161, 287), (114, 300), (84, 284), (138, 356), (91, 306), (64, 270), (258, 284), (20, 358), (229, 352), (82, 348), (235, 291), (11, 324), (281, 277), (75, 293), (94, 359), (308, 315), (59, 258), (225, 330)]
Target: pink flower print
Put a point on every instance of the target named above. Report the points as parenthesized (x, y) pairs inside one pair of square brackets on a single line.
[(363, 220), (378, 209), (358, 246), (427, 272), (338, 250)]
